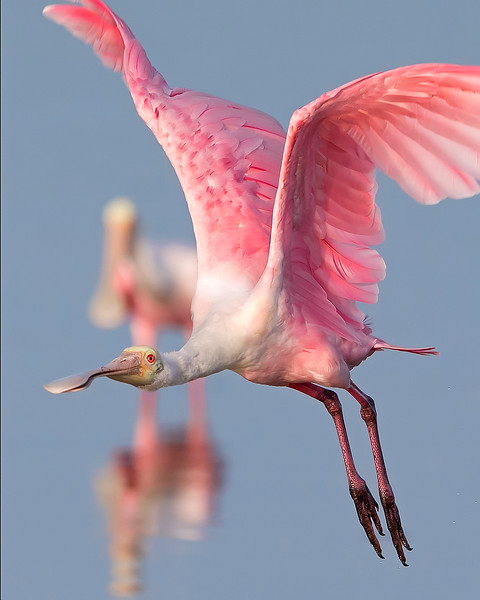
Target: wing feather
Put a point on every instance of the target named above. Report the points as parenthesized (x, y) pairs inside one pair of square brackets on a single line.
[(421, 126), (227, 156), (94, 24)]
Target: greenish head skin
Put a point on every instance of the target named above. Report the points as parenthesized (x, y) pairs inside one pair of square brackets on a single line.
[(138, 366)]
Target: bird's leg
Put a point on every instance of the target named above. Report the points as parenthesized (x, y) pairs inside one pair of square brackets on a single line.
[(197, 410), (369, 415), (364, 502), (146, 433)]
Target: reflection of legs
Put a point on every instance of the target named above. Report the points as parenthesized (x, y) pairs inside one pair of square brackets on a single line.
[(363, 499), (369, 415)]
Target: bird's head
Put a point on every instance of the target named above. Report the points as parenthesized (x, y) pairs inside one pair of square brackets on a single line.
[(137, 365)]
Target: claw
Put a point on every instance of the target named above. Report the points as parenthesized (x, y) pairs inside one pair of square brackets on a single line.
[(367, 511), (394, 525)]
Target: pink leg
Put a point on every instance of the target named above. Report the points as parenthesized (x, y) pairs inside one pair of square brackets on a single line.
[(197, 405), (363, 499), (387, 498), (146, 434)]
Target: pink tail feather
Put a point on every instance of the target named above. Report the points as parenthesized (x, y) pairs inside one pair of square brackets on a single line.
[(430, 351)]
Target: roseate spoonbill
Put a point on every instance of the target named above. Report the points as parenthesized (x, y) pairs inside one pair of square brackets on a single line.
[(167, 476), (285, 223), (152, 285)]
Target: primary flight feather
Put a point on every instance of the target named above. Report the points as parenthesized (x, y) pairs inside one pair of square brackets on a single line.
[(285, 223)]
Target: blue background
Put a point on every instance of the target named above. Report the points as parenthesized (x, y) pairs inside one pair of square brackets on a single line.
[(286, 526)]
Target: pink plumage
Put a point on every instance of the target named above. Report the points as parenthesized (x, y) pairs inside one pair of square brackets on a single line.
[(285, 222)]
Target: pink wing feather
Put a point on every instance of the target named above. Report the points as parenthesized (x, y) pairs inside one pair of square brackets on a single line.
[(227, 156), (97, 25), (420, 125)]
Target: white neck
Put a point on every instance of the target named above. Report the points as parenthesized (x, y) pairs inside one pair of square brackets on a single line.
[(193, 361)]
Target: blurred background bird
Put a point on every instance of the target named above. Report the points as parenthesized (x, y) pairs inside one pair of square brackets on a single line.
[(151, 285), (166, 483)]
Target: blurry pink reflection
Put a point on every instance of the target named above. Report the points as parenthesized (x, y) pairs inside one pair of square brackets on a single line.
[(166, 486)]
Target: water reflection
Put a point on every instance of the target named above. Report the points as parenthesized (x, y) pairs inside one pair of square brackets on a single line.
[(165, 485)]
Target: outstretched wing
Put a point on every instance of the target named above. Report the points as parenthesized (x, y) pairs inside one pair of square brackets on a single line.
[(418, 124), (227, 156)]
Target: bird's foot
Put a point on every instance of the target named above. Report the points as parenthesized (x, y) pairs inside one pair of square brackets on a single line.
[(367, 511), (394, 524)]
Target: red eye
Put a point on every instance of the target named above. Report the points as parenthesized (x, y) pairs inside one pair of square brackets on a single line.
[(150, 358)]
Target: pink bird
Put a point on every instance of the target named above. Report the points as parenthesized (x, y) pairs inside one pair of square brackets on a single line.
[(149, 283), (285, 224), (153, 286), (167, 477)]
